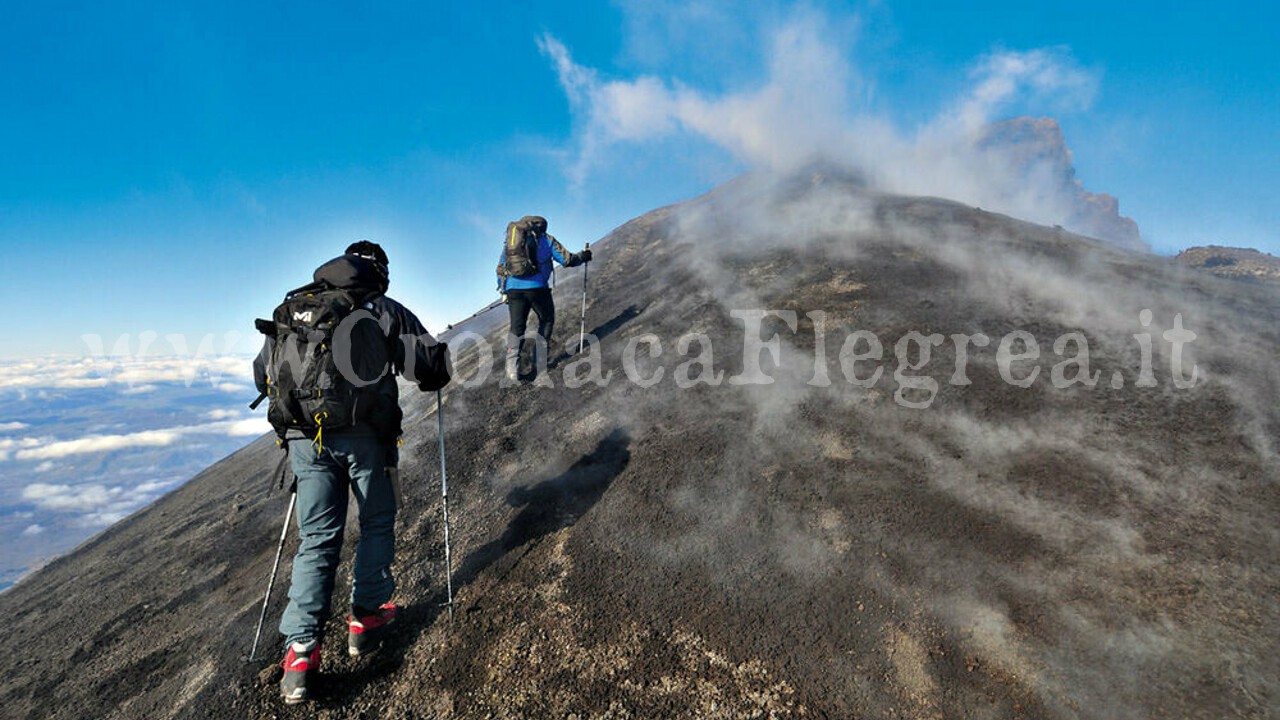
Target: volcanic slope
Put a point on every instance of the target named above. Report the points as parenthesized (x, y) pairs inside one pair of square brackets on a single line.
[(814, 547)]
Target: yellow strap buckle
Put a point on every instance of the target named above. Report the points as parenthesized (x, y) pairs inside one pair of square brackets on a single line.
[(318, 441)]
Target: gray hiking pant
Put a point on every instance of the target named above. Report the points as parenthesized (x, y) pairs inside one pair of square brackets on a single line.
[(358, 462)]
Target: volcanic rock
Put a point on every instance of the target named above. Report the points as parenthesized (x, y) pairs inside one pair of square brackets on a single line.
[(1230, 262), (1038, 146)]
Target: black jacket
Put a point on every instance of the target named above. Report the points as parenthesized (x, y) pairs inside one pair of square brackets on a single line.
[(415, 354)]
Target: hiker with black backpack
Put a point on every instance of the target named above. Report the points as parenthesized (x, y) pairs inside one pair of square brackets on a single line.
[(328, 366), (524, 273)]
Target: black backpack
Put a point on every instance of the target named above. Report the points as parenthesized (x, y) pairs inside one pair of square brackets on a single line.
[(520, 249), (324, 372)]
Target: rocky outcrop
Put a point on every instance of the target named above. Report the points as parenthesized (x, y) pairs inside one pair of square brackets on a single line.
[(1234, 263), (1037, 146)]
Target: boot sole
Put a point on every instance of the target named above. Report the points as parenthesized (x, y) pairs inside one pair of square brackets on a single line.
[(356, 652)]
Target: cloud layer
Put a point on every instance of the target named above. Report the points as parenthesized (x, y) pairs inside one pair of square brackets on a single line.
[(87, 441), (135, 373), (46, 448), (94, 505)]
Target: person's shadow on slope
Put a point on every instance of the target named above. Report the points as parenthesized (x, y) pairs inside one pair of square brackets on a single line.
[(548, 506), (601, 331), (553, 504)]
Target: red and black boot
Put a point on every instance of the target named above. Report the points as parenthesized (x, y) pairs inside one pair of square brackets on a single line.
[(300, 661), (365, 628)]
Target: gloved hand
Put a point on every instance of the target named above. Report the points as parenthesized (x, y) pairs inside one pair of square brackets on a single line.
[(585, 255), (504, 298)]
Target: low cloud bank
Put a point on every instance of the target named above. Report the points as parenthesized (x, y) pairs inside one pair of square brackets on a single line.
[(95, 505), (95, 444), (46, 448), (132, 374)]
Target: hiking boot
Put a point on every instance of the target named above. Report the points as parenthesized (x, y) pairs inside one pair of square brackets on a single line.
[(299, 662), (512, 364), (365, 629)]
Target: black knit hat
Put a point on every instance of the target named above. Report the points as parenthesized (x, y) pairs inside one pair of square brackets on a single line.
[(374, 253), (368, 250)]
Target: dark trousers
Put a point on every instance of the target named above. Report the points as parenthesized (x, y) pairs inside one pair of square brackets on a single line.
[(519, 303)]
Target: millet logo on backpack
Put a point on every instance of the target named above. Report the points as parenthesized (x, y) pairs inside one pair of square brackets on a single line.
[(303, 316)]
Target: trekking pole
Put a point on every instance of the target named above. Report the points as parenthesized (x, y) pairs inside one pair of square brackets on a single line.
[(444, 501), (274, 567), (582, 329)]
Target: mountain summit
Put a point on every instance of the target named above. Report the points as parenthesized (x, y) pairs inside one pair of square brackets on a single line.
[(836, 454), (1037, 146)]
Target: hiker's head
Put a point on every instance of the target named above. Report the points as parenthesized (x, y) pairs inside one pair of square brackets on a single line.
[(374, 253), (537, 223)]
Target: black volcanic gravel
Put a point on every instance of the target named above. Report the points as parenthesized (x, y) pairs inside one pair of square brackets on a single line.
[(759, 551)]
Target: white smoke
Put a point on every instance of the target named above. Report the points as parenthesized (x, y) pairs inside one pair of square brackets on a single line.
[(810, 107)]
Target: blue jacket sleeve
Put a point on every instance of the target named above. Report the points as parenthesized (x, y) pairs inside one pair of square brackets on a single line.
[(562, 256), (557, 251)]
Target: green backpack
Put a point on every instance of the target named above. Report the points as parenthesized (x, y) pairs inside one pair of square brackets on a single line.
[(520, 249)]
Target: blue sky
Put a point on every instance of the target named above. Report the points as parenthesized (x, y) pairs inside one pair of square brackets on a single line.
[(175, 169)]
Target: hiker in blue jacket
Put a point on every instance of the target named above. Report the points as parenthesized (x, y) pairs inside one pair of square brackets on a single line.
[(524, 274)]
